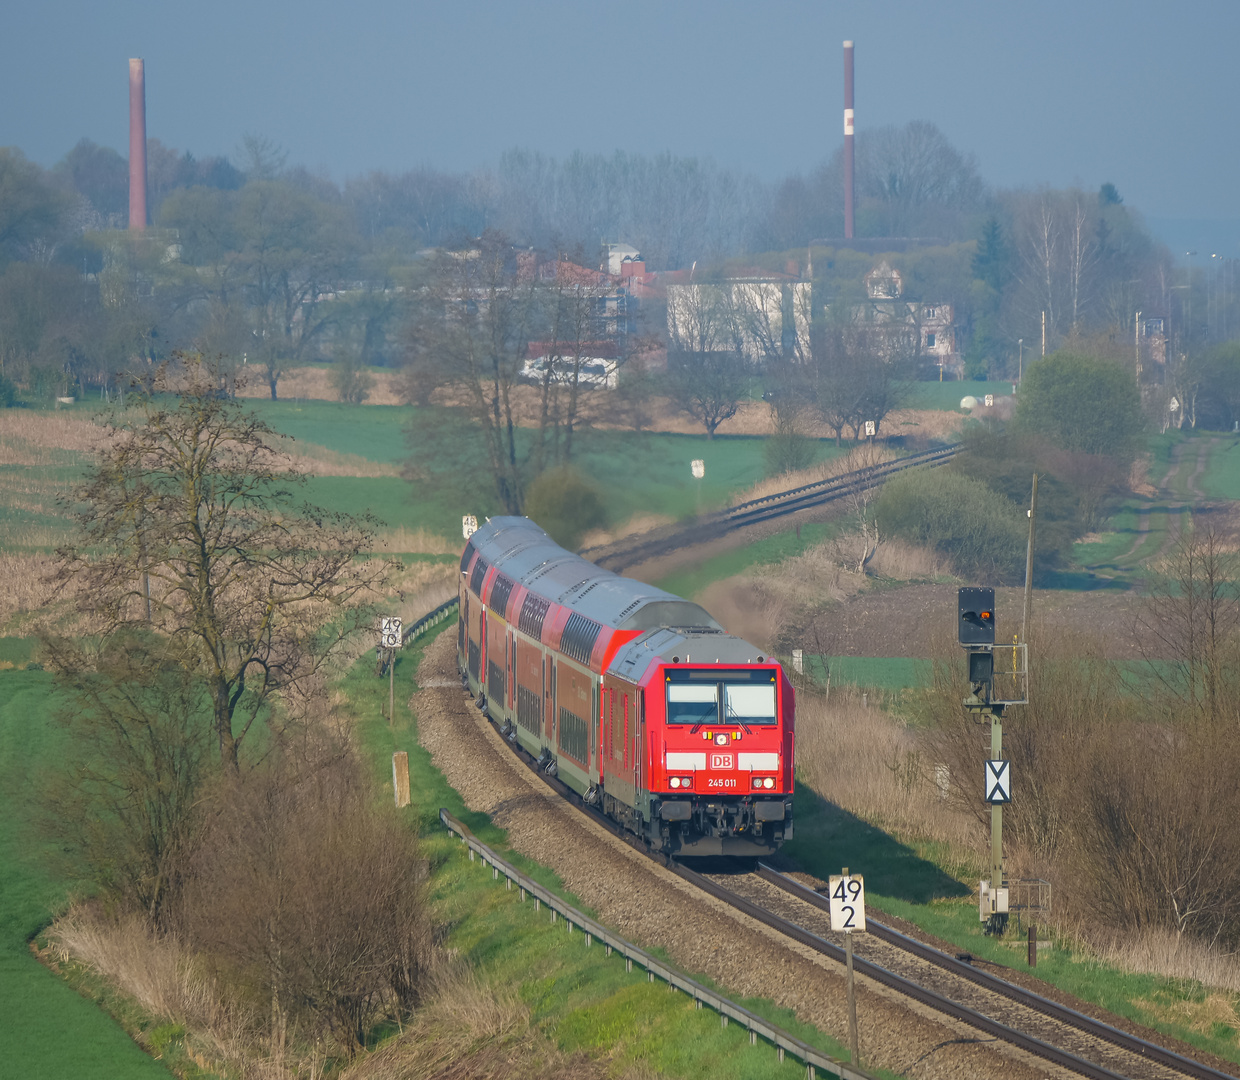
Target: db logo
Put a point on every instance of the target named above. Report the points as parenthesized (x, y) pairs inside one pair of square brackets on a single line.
[(721, 761)]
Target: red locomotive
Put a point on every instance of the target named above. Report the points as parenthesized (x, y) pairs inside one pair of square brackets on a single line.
[(635, 698)]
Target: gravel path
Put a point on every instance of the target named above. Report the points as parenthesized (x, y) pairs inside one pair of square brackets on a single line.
[(652, 907)]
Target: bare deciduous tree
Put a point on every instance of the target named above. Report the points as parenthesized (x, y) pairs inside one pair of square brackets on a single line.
[(1187, 624), (709, 386), (190, 527)]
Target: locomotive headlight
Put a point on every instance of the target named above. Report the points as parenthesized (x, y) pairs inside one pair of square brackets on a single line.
[(769, 782), (686, 781), (674, 782)]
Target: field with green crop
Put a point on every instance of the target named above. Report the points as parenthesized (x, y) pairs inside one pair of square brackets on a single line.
[(50, 1032), (639, 472)]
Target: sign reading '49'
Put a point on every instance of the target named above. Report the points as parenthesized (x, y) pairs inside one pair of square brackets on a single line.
[(847, 896)]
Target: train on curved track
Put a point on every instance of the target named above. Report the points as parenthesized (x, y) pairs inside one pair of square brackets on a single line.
[(633, 697)]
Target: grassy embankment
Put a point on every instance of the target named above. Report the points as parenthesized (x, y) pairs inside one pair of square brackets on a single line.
[(586, 1002), (50, 1032)]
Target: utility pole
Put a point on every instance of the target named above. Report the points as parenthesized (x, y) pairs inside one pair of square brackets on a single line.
[(1027, 613), (1136, 346), (1043, 333)]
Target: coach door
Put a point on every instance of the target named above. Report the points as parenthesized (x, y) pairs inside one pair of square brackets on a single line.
[(639, 740), (549, 693)]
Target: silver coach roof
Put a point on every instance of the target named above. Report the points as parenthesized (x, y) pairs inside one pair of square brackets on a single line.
[(675, 646), (527, 555)]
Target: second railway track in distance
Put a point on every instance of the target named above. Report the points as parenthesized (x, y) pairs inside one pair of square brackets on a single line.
[(1058, 1035), (635, 549)]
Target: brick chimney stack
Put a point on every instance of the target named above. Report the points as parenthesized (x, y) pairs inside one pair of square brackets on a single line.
[(137, 145), (849, 172)]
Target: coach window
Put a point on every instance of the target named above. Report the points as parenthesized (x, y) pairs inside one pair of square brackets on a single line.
[(692, 704), (749, 703)]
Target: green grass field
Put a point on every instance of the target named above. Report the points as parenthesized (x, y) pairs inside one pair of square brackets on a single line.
[(50, 1032), (638, 472), (1222, 477), (690, 581), (947, 395)]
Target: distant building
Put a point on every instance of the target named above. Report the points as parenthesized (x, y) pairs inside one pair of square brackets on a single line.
[(907, 328), (761, 316)]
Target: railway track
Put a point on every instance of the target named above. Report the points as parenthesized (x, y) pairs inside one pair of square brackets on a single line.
[(633, 550), (1057, 1034), (952, 987), (661, 541)]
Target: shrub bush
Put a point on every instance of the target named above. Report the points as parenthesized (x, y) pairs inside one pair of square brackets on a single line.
[(788, 451), (982, 532), (566, 504)]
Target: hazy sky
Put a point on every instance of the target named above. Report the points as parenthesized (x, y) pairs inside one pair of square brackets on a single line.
[(1139, 93)]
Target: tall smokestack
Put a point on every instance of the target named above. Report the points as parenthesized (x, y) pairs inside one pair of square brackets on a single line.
[(848, 140), (137, 145)]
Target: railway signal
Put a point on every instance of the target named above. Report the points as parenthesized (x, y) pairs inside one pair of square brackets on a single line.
[(846, 893), (990, 692)]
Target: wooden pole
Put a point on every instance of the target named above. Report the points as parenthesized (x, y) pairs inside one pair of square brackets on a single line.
[(853, 1049), (400, 777), (1027, 612)]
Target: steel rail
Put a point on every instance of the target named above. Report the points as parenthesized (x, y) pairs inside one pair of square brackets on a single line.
[(1096, 1028), (907, 987), (890, 979), (789, 929), (711, 526), (782, 1040)]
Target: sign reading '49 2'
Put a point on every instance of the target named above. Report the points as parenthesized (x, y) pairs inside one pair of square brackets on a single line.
[(389, 632), (847, 896)]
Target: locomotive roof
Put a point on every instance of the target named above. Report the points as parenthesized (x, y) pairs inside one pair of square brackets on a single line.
[(520, 550), (678, 646)]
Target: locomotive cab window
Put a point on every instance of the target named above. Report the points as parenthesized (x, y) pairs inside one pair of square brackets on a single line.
[(747, 697), (746, 703), (692, 703)]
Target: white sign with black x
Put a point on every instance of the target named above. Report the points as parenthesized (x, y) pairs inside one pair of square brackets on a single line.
[(998, 782)]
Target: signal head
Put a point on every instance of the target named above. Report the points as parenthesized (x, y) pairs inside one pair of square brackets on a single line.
[(976, 616)]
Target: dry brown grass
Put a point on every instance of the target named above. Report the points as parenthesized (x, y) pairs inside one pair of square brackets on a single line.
[(167, 981), (473, 1030), (765, 601), (940, 425), (1162, 952), (320, 461), (863, 456), (902, 561), (315, 383), (416, 542), (23, 585), (639, 523), (868, 762), (38, 438)]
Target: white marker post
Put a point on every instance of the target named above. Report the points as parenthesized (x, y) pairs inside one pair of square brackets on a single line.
[(698, 467), (847, 896), (389, 638)]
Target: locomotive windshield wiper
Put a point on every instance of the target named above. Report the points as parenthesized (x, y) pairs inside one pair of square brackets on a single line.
[(737, 720)]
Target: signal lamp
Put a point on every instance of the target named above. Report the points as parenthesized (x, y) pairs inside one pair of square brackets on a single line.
[(977, 616)]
